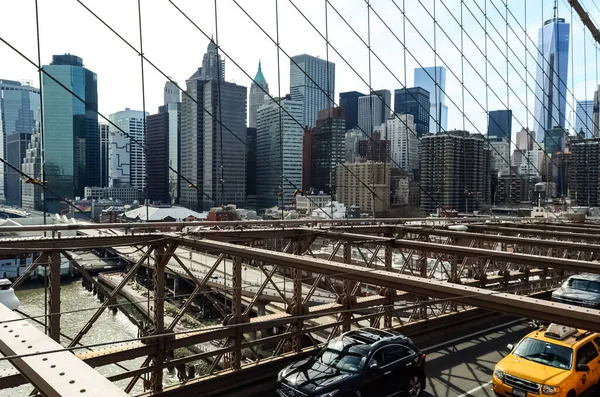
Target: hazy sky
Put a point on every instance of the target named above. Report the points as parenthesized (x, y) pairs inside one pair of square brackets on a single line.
[(176, 46)]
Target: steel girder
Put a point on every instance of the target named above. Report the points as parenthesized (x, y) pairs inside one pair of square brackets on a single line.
[(54, 374)]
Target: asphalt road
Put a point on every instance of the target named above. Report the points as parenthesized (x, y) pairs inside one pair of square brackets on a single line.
[(462, 367)]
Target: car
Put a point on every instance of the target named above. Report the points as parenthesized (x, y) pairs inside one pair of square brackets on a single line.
[(366, 362), (580, 290), (556, 361)]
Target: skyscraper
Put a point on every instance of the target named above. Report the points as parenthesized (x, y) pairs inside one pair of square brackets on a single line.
[(16, 147), (213, 67), (19, 103), (584, 118), (551, 76), (71, 138), (374, 110), (524, 139), (455, 172), (352, 140), (349, 102), (279, 151), (433, 80), (312, 82), (157, 143), (500, 124), (32, 194), (172, 93), (224, 150), (414, 101), (258, 89), (404, 143), (127, 158), (328, 145), (213, 134)]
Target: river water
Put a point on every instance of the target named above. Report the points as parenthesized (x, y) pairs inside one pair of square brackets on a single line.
[(109, 327)]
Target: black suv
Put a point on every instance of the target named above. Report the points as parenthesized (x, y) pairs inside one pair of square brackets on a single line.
[(366, 362)]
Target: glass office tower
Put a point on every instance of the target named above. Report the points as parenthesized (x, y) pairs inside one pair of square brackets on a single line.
[(19, 103), (433, 80), (551, 76), (312, 82), (71, 136)]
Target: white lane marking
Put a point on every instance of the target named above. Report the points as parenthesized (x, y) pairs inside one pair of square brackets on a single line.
[(480, 332), (475, 389)]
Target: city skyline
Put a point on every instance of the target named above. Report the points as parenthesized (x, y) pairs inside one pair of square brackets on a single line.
[(293, 43)]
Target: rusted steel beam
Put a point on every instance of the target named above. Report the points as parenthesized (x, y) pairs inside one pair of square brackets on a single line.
[(109, 299), (54, 296)]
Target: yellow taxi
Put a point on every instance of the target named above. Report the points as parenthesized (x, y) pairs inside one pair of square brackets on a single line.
[(556, 361)]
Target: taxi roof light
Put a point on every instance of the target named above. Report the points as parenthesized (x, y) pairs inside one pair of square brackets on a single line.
[(560, 332)]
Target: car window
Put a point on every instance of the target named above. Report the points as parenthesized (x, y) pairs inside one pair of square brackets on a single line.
[(545, 353), (344, 355), (597, 340), (394, 353), (377, 358), (583, 285), (586, 353)]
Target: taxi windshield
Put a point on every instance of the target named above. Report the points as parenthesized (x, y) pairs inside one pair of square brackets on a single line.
[(545, 353)]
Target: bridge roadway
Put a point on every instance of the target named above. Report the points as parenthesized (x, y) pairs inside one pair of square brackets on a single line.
[(461, 361)]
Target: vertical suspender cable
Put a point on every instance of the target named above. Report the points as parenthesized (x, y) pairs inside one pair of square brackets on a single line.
[(220, 71), (281, 191), (42, 150)]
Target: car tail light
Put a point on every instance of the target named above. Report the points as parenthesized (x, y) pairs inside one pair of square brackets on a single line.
[(423, 357)]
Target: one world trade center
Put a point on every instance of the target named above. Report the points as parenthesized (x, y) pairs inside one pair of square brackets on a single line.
[(551, 76)]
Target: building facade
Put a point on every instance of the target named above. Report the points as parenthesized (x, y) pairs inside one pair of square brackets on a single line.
[(279, 152), (328, 144), (172, 93), (192, 143), (375, 149), (126, 194), (455, 172), (258, 89), (224, 150), (251, 166), (72, 142), (524, 139), (500, 124), (373, 110), (586, 163), (312, 82), (16, 148), (157, 146), (405, 145), (364, 184), (433, 80), (31, 197), (349, 102), (19, 110), (584, 118), (555, 140), (104, 131), (500, 155), (352, 139), (127, 158), (414, 101), (551, 76)]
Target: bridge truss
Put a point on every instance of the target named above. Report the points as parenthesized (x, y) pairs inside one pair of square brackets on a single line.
[(381, 274)]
